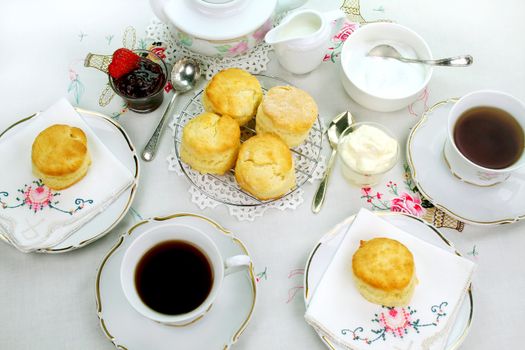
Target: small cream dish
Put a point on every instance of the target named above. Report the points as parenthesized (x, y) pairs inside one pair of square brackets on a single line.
[(367, 151), (384, 84)]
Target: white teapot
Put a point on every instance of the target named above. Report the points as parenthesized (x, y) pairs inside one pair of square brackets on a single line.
[(224, 28)]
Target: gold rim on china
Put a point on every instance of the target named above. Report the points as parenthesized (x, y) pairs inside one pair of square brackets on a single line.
[(131, 195), (413, 173), (121, 239), (348, 221)]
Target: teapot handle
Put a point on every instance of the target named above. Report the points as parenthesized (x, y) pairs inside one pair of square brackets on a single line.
[(158, 7)]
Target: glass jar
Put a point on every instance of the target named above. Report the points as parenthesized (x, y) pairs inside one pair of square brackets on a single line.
[(349, 162)]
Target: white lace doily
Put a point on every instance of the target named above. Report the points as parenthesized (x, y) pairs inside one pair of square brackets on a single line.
[(291, 201), (208, 191), (254, 61)]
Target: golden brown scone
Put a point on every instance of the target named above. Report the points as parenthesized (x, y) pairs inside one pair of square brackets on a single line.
[(265, 167), (60, 156), (210, 143), (288, 112), (234, 92), (384, 272)]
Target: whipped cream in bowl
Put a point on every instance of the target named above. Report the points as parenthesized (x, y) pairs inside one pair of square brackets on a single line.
[(367, 151)]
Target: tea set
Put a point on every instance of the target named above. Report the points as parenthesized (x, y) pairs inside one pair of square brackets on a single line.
[(375, 61), (377, 71)]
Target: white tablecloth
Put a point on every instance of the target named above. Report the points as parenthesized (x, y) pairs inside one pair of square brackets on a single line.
[(47, 301)]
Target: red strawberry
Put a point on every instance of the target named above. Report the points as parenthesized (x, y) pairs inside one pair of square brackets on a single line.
[(123, 62)]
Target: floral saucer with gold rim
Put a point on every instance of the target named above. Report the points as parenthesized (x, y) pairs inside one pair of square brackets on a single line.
[(497, 204), (218, 329), (117, 140), (325, 249)]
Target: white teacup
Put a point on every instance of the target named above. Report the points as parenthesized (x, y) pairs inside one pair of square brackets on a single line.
[(461, 166), (176, 232)]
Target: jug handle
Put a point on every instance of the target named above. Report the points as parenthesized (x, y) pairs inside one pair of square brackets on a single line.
[(158, 7), (287, 5), (333, 15)]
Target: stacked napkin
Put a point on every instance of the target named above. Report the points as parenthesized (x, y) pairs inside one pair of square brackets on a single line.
[(338, 311), (33, 216)]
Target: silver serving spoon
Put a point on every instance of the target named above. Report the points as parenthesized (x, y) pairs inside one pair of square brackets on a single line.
[(388, 51), (335, 129), (184, 75)]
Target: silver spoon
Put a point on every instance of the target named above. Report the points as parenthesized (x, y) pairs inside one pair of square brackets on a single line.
[(335, 129), (388, 51), (184, 75)]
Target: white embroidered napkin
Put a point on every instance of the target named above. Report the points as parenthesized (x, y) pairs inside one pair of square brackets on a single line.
[(32, 215), (341, 313)]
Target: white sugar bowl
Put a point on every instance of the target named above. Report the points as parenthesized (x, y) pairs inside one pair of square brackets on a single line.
[(225, 28), (384, 84)]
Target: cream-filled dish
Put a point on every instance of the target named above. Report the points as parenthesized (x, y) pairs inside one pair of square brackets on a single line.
[(367, 151)]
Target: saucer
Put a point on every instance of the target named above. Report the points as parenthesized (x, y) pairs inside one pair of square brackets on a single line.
[(220, 327), (322, 254), (116, 139), (497, 204)]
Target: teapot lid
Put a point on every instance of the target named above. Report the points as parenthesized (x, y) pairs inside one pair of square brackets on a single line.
[(219, 19)]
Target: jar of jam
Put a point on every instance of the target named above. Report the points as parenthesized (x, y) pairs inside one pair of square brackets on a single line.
[(143, 88)]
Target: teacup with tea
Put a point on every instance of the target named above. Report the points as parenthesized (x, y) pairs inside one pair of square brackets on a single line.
[(172, 273), (486, 137)]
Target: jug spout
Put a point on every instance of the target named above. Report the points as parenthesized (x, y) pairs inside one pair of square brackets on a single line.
[(272, 37), (302, 24)]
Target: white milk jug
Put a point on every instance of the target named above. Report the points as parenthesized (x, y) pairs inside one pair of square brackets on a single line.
[(302, 38)]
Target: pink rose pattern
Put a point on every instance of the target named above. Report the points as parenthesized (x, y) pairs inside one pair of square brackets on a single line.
[(406, 203), (395, 322), (261, 32), (241, 47), (338, 40), (37, 197), (409, 202)]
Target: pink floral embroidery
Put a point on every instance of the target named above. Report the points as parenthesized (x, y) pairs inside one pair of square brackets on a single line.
[(338, 41), (345, 31), (396, 322), (260, 33), (409, 202), (239, 48), (406, 203), (37, 197), (422, 101)]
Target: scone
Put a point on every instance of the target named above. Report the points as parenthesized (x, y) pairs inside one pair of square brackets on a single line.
[(288, 112), (265, 167), (384, 272), (234, 92), (60, 156), (210, 143)]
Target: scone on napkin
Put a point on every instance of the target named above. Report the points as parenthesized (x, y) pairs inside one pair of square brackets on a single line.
[(32, 215), (338, 310)]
